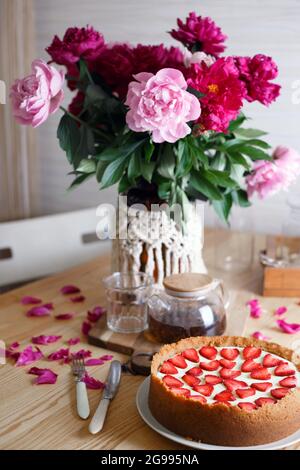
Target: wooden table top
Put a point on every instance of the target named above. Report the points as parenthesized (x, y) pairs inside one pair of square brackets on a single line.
[(44, 417)]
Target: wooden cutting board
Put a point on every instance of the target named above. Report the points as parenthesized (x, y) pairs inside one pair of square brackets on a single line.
[(130, 344)]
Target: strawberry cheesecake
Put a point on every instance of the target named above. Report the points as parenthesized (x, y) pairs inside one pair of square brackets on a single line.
[(229, 391)]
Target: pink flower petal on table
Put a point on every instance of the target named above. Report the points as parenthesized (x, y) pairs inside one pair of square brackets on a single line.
[(40, 311), (59, 354), (94, 362), (64, 316), (69, 289), (73, 341), (259, 335), (29, 300), (94, 315), (255, 308), (49, 305), (106, 357), (280, 311), (45, 376), (77, 299), (92, 383), (28, 356), (289, 328), (14, 345), (45, 339), (85, 327), (82, 353)]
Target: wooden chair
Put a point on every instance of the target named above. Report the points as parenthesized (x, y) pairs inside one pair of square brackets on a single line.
[(33, 248)]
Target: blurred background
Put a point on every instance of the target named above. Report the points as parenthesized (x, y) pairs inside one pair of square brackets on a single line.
[(33, 170)]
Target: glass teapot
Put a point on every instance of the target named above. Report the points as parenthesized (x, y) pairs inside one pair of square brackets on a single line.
[(191, 304)]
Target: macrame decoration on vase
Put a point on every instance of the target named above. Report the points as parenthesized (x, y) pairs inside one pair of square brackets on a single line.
[(153, 242)]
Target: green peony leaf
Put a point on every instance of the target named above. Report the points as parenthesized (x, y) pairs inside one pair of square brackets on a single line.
[(199, 182), (249, 133)]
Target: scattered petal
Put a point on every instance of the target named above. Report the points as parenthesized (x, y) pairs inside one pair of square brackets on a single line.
[(82, 353), (94, 362), (29, 300), (64, 316), (73, 341), (59, 354), (259, 335), (77, 299), (280, 311), (44, 376), (92, 383), (14, 345), (69, 289), (28, 356), (49, 305), (289, 328), (106, 357), (85, 327), (94, 315), (45, 339), (40, 311), (255, 308)]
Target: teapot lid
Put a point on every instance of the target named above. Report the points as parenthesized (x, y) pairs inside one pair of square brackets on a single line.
[(187, 283)]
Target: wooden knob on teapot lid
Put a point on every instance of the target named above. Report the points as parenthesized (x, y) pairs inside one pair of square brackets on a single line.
[(187, 282)]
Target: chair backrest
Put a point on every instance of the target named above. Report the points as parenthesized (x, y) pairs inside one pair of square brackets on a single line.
[(32, 248)]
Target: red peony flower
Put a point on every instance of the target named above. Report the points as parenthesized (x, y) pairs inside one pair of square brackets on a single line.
[(77, 43), (201, 34), (76, 105), (257, 72), (223, 93), (154, 58), (116, 67)]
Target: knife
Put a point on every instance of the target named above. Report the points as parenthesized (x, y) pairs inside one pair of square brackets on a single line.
[(113, 380)]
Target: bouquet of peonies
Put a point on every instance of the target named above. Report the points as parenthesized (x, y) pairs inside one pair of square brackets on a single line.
[(164, 118)]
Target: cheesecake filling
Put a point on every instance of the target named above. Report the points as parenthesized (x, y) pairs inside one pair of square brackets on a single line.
[(252, 370)]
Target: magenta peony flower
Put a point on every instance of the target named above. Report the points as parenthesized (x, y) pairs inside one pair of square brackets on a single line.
[(268, 177), (76, 105), (200, 33), (116, 67), (160, 104), (77, 43), (257, 72), (223, 92), (38, 95), (153, 58)]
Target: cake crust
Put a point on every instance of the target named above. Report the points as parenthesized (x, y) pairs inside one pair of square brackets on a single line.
[(218, 423)]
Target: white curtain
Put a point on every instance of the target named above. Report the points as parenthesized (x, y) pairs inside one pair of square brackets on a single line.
[(17, 143)]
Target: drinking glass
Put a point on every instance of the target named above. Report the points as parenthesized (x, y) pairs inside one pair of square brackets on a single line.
[(127, 295)]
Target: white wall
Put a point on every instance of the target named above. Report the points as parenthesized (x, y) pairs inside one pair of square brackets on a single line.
[(268, 26)]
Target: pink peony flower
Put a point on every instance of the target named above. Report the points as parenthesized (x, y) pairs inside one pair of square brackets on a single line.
[(269, 177), (160, 104), (38, 95), (200, 33), (197, 58), (77, 43), (257, 72), (223, 92)]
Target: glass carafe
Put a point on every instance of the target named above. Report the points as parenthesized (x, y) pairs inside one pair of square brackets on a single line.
[(191, 304)]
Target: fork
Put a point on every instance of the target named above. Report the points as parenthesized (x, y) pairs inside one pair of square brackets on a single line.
[(83, 408)]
